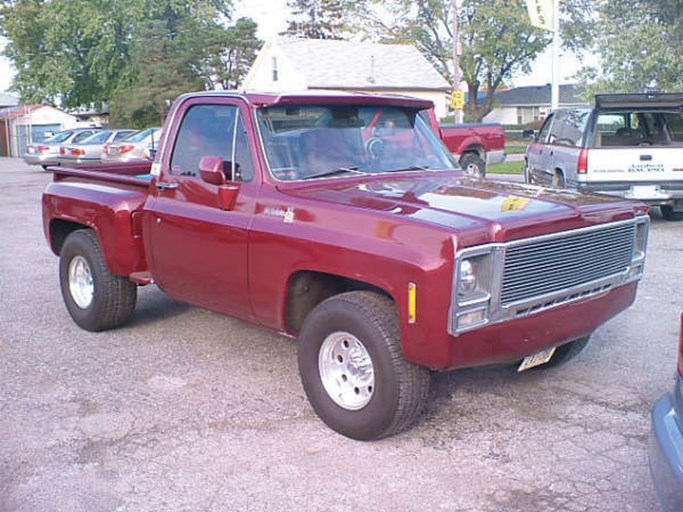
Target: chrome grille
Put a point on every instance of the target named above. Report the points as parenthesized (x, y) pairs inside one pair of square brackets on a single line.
[(548, 265)]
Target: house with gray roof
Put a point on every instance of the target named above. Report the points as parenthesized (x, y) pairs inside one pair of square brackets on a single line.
[(523, 105), (288, 64)]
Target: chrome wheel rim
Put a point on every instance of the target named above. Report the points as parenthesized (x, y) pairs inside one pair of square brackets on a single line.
[(346, 370), (473, 170), (81, 285)]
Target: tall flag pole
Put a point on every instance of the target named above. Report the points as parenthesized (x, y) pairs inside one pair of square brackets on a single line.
[(545, 14)]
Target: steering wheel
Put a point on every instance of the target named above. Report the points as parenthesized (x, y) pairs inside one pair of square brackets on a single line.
[(375, 148)]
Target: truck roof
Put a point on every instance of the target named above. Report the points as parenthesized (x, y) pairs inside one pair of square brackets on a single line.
[(262, 99), (639, 100)]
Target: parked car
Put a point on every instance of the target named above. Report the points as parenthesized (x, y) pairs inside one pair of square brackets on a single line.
[(90, 149), (46, 152), (630, 145), (134, 147), (666, 441)]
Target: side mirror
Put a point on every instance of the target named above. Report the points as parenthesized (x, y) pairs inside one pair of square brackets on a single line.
[(528, 134), (211, 170)]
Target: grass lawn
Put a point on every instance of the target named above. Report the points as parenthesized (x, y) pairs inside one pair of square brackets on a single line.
[(505, 168), (515, 148)]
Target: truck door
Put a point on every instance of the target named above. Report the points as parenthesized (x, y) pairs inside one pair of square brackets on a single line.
[(198, 251)]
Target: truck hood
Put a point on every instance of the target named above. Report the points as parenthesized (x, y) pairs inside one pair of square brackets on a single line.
[(508, 210)]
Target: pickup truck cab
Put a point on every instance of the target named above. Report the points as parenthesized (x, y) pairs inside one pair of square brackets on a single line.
[(629, 145), (343, 221)]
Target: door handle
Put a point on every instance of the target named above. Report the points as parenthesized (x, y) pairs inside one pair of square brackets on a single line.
[(166, 186)]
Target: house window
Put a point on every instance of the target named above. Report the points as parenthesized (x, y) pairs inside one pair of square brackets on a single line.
[(274, 69)]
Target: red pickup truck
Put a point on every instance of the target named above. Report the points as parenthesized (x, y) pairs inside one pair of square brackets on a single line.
[(475, 145), (341, 219)]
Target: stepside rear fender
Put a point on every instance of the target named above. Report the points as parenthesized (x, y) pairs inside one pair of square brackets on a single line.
[(113, 212)]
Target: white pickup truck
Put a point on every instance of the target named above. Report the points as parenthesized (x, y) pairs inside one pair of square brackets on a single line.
[(630, 145)]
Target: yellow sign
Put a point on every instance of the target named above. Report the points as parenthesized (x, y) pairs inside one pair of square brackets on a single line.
[(458, 100), (514, 203)]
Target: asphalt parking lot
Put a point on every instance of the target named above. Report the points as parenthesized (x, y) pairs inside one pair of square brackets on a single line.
[(187, 410)]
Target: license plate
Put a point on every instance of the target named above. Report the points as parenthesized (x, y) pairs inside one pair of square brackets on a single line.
[(644, 192), (536, 359)]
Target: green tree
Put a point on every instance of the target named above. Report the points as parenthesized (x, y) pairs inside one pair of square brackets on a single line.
[(318, 19), (135, 55), (639, 46), (496, 36), (229, 55), (65, 52)]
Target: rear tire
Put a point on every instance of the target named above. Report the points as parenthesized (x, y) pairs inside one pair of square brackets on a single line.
[(353, 370), (558, 180), (670, 214), (95, 298), (473, 165)]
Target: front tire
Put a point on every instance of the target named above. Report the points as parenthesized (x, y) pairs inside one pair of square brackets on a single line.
[(353, 370), (95, 298)]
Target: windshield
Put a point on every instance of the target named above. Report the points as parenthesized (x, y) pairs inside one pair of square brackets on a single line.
[(310, 141), (97, 138), (141, 135), (59, 137)]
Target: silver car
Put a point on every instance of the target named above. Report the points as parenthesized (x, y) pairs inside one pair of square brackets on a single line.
[(46, 152), (134, 147), (90, 150)]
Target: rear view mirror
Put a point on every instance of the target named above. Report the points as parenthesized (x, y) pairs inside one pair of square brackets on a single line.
[(211, 169)]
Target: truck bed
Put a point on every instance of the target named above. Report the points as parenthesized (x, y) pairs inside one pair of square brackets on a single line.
[(137, 173)]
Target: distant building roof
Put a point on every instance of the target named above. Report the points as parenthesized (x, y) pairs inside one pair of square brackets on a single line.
[(538, 95), (329, 64), (8, 100), (17, 111)]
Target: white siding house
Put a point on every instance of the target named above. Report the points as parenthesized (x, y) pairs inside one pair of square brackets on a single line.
[(523, 105), (22, 125), (289, 65)]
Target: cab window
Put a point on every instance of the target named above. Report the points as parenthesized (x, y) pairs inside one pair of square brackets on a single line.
[(212, 130)]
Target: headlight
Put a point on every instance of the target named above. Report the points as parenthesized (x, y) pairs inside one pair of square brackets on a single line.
[(472, 289), (473, 276), (467, 280)]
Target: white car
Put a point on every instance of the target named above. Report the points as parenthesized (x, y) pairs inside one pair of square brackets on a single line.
[(46, 152)]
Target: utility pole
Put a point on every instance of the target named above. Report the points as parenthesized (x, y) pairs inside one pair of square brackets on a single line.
[(555, 84), (456, 64)]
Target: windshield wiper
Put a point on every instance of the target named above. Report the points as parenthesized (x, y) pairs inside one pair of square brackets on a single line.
[(332, 172), (411, 168)]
